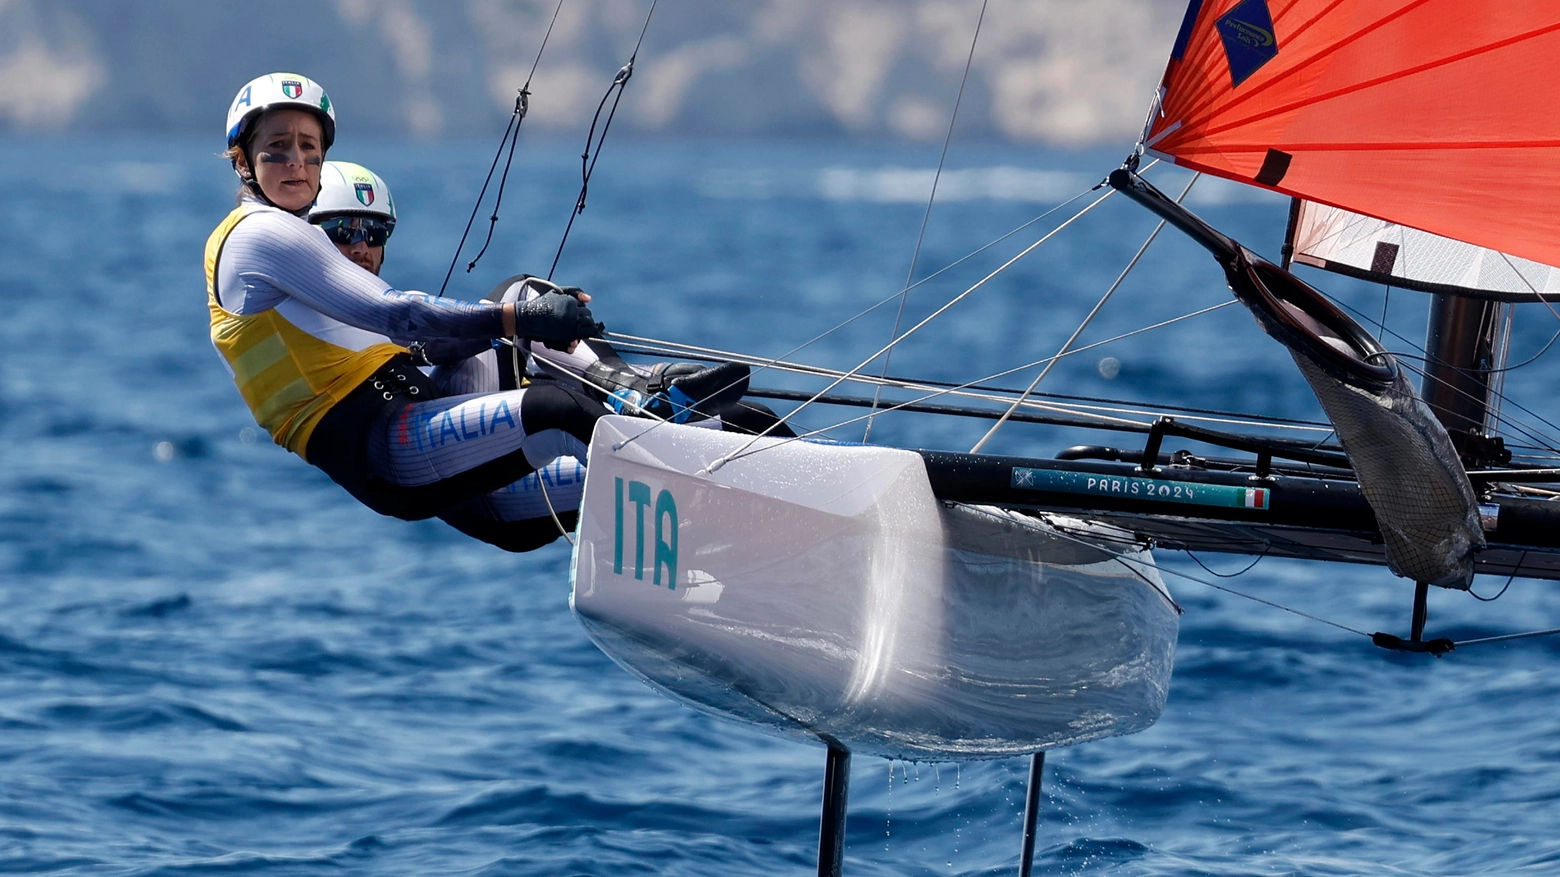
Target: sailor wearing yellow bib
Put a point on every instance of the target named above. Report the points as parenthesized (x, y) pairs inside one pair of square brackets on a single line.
[(311, 339), (357, 212)]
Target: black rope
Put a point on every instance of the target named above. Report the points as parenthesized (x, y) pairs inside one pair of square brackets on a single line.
[(1514, 426), (1506, 400), (1492, 371), (1126, 561), (588, 159), (1231, 575), (512, 137), (1509, 580), (1530, 360), (521, 105)]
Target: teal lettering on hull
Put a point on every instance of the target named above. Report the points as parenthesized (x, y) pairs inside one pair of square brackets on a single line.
[(617, 526), (639, 495), (666, 548), (1220, 495), (664, 551)]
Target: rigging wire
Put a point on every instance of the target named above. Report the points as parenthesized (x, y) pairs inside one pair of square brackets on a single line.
[(1507, 637), (1529, 284), (965, 391), (904, 295), (1499, 396), (587, 159), (656, 347), (1516, 426), (765, 364), (744, 452), (1499, 417), (945, 307), (1526, 362), (918, 326), (1502, 397), (1255, 599), (951, 265), (1084, 325), (1505, 400), (985, 392), (562, 531), (1127, 561), (511, 130)]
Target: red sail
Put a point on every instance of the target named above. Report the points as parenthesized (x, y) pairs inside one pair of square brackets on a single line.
[(1435, 114)]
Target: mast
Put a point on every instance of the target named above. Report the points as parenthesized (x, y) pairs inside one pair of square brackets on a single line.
[(1465, 348)]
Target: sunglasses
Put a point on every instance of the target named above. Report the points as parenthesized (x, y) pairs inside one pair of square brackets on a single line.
[(347, 230)]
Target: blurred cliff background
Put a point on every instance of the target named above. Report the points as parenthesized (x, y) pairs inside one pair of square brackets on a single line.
[(1062, 72)]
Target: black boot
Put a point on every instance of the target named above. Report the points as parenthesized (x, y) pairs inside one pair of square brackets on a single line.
[(679, 392)]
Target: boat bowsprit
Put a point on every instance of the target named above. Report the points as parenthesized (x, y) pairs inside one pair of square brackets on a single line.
[(822, 590)]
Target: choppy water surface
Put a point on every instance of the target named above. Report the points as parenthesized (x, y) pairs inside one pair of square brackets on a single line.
[(212, 660)]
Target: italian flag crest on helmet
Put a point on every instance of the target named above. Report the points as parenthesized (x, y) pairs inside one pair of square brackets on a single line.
[(351, 189), (276, 91)]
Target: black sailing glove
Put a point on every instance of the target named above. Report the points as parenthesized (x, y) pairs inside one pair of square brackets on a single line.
[(573, 292), (554, 318)]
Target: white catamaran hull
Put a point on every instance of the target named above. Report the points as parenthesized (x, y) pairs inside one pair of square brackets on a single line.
[(822, 591)]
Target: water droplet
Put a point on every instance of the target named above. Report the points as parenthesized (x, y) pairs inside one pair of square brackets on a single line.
[(1109, 368), (247, 435), (888, 809), (163, 451)]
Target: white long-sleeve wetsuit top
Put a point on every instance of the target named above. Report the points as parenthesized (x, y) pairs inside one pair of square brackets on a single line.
[(300, 326), (273, 259)]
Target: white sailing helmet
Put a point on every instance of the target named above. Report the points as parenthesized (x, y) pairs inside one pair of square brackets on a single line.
[(275, 90), (347, 188)]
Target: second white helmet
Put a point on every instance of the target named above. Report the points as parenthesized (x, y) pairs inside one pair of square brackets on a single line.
[(347, 188)]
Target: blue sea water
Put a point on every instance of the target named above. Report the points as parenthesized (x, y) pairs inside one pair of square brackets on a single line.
[(213, 661)]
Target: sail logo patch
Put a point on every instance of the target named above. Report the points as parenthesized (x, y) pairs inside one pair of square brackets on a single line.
[(663, 551), (365, 193), (1249, 40), (1184, 37), (1132, 487)]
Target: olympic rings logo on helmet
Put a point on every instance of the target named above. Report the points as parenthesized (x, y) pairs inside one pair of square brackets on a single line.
[(348, 189)]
